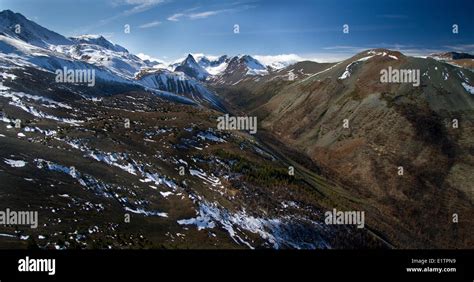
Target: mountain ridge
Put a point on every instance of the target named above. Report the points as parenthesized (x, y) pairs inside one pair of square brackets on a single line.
[(389, 125)]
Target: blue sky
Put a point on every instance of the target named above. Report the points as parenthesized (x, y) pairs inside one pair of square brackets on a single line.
[(169, 29)]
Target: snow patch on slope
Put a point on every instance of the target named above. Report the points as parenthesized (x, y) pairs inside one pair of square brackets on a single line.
[(274, 231), (469, 88), (15, 163), (347, 72)]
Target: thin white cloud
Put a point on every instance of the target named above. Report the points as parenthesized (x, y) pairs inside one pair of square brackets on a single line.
[(135, 7), (461, 47), (206, 14), (138, 6), (150, 24), (194, 16), (175, 17)]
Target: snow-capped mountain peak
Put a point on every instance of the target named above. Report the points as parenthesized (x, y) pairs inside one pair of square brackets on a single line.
[(254, 66), (278, 62), (214, 65), (247, 65), (190, 61), (211, 61), (190, 67), (202, 66), (98, 40), (17, 26)]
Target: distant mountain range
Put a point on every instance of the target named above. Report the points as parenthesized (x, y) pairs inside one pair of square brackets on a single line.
[(452, 56), (36, 46)]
